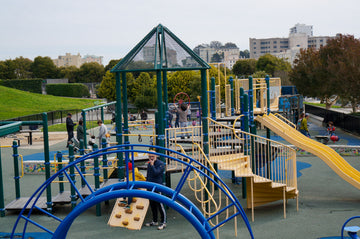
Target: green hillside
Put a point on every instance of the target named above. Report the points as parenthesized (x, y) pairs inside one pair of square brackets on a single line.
[(15, 103)]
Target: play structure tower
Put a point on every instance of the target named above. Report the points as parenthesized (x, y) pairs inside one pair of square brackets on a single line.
[(159, 51)]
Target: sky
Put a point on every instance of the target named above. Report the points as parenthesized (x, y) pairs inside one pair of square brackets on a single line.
[(111, 28)]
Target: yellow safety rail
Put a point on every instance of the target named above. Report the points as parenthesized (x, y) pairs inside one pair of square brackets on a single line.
[(211, 203), (230, 143), (218, 101), (227, 100), (259, 93)]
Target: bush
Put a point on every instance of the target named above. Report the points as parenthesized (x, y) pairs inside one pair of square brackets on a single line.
[(69, 90), (31, 85)]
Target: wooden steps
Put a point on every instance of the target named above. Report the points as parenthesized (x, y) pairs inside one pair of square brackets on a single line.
[(260, 190)]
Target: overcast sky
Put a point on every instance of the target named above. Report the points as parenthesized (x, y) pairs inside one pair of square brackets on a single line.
[(111, 28)]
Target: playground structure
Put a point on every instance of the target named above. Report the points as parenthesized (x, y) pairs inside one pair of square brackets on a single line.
[(267, 168)]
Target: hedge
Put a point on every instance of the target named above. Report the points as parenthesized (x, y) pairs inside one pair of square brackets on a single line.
[(31, 85), (69, 90)]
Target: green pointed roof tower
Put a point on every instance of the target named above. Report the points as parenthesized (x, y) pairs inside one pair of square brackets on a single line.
[(159, 51)]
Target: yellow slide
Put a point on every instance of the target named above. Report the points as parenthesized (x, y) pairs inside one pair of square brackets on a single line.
[(327, 154)]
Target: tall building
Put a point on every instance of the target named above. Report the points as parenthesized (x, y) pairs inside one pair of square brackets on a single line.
[(76, 60), (300, 36)]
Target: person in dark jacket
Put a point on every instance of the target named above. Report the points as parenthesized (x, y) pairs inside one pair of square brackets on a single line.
[(69, 128), (155, 173)]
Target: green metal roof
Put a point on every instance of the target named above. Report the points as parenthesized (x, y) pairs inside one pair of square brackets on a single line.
[(160, 49)]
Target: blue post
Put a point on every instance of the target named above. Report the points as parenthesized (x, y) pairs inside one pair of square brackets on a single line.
[(82, 163), (61, 175), (97, 179), (72, 176), (231, 80), (251, 106), (212, 99), (16, 169)]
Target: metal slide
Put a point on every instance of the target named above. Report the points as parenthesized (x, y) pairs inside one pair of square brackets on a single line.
[(325, 153)]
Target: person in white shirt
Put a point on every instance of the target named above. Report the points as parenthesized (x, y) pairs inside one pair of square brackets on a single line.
[(102, 132)]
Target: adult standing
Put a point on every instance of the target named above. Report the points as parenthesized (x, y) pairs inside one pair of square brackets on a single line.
[(143, 116), (155, 173), (102, 132), (69, 128), (80, 131)]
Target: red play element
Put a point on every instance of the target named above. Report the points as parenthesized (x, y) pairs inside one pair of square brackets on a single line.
[(334, 138)]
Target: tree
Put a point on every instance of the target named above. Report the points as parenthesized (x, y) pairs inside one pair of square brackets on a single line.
[(142, 91), (244, 67), (260, 74), (245, 54), (216, 44), (216, 58), (111, 64), (107, 87), (179, 81), (72, 73), (7, 70), (311, 78), (270, 64), (44, 68), (91, 72), (230, 45), (22, 67), (341, 59)]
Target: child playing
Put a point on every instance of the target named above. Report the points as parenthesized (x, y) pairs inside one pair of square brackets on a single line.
[(331, 128)]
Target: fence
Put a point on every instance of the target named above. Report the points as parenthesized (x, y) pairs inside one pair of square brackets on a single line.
[(346, 122)]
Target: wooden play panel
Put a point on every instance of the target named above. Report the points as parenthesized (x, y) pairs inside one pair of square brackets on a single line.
[(131, 219)]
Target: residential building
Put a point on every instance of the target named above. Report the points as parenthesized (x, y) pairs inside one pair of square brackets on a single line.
[(68, 60), (229, 54), (76, 60), (92, 58), (300, 37)]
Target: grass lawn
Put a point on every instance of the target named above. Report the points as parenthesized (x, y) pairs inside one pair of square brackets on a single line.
[(15, 103), (62, 127), (321, 105)]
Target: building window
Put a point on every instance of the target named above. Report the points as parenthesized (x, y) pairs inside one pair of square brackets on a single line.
[(275, 42), (254, 47), (275, 46)]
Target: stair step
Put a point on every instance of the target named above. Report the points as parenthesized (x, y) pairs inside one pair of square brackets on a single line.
[(278, 185), (244, 172), (227, 158), (233, 165), (259, 179)]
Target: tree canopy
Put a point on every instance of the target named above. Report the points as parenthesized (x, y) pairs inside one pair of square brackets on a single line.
[(244, 67), (44, 68), (333, 70)]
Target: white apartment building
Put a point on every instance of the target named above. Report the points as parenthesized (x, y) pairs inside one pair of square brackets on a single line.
[(300, 36), (92, 58)]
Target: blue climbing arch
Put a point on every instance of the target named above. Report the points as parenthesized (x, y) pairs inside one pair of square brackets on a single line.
[(168, 196)]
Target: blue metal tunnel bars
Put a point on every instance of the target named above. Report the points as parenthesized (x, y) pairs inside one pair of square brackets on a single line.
[(171, 197)]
